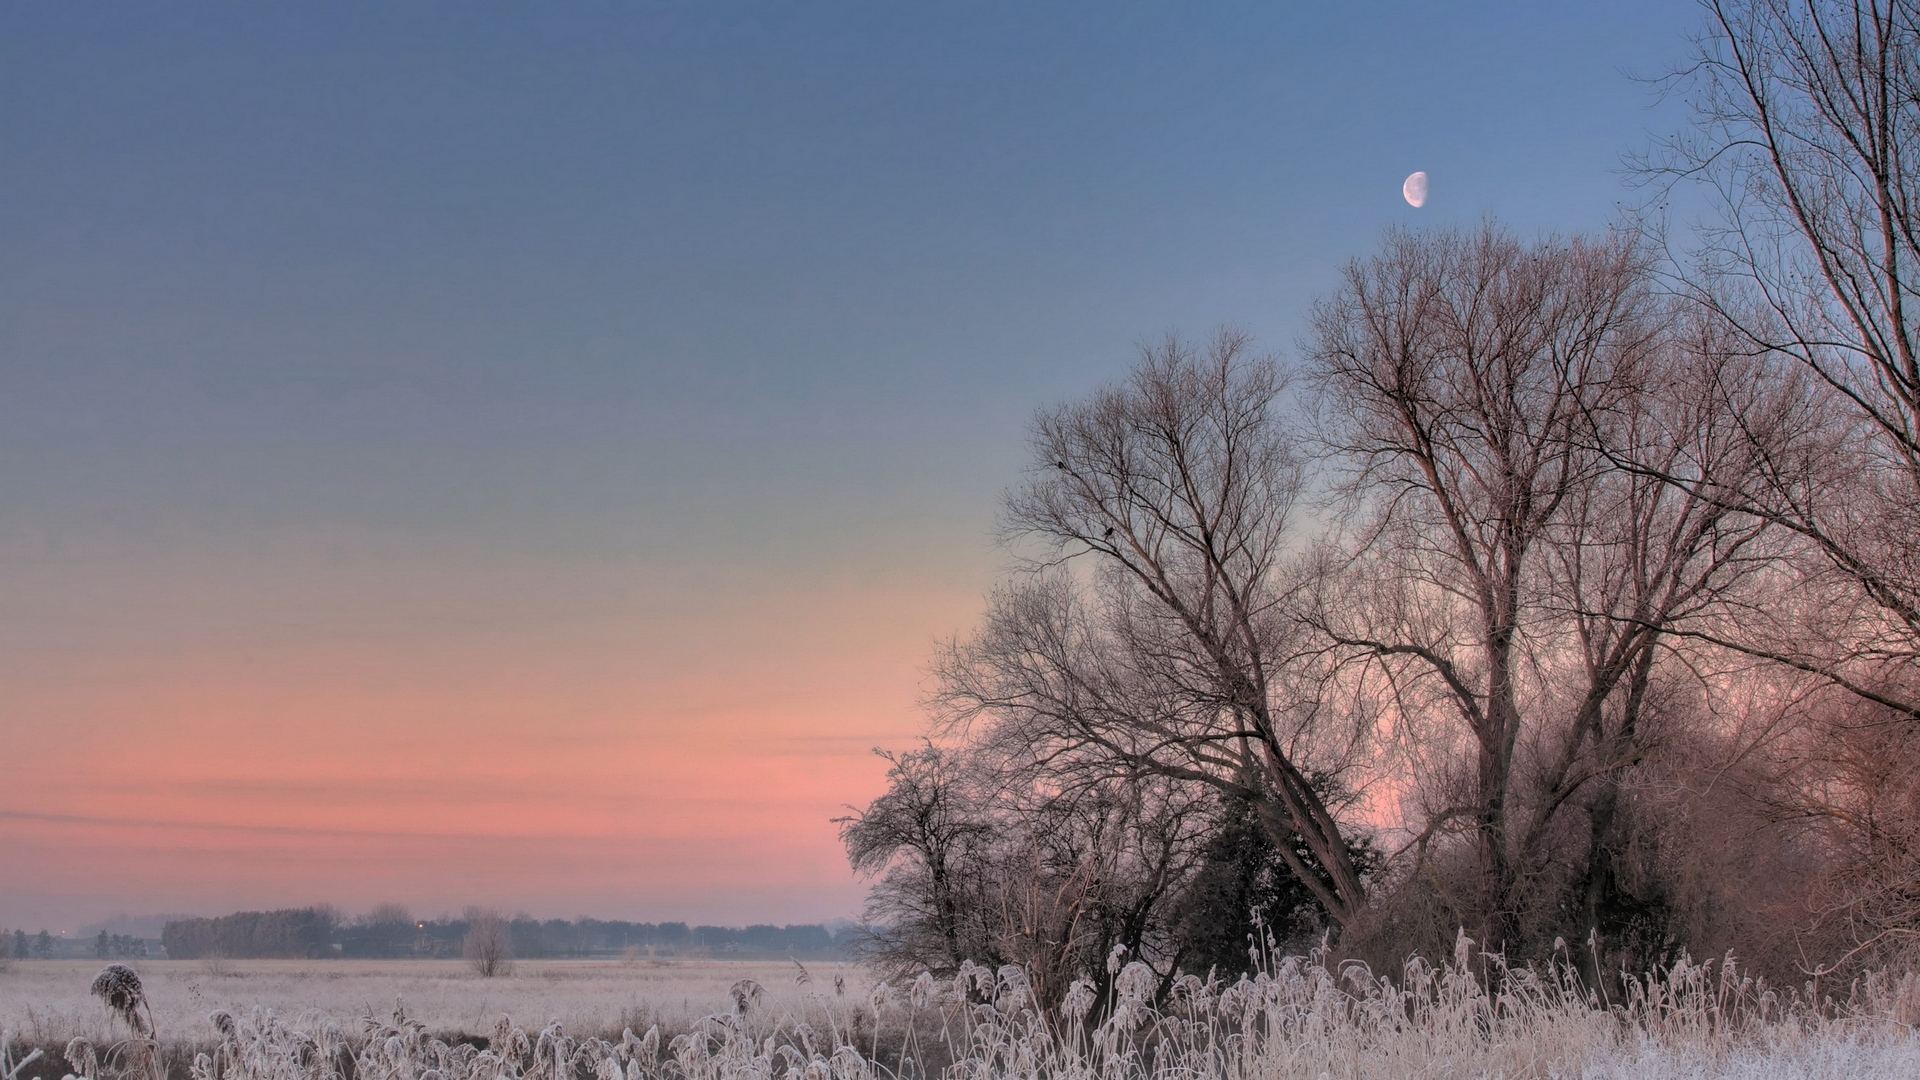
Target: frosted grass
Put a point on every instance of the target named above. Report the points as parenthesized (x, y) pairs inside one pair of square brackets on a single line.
[(1306, 1017)]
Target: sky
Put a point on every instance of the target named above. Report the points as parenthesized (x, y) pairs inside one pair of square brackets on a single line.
[(527, 455)]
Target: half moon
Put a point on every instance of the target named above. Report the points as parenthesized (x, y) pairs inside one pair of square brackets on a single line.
[(1414, 190)]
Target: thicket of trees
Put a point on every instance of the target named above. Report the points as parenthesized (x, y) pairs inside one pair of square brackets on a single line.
[(1563, 590), (293, 932)]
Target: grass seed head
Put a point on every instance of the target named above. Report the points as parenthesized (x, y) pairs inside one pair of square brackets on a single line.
[(118, 988)]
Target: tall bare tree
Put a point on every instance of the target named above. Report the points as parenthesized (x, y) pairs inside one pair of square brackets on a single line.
[(1153, 636), (1514, 582)]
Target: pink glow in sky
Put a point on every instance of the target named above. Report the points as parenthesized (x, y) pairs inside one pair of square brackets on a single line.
[(679, 758)]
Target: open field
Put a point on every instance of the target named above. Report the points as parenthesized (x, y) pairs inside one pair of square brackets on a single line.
[(46, 1001), (1301, 1018)]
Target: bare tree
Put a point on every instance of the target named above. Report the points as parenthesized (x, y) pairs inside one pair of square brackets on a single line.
[(1152, 637), (1083, 873), (1509, 576), (920, 840), (488, 946), (1638, 561), (1807, 118), (974, 863)]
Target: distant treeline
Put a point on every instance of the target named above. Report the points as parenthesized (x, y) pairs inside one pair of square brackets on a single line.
[(289, 933), (322, 932)]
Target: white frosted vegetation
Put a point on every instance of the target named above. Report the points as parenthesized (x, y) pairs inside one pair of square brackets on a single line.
[(1301, 1017)]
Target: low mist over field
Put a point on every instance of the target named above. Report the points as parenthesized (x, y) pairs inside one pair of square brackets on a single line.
[(880, 542)]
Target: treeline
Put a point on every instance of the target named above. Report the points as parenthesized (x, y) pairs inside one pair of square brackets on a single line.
[(108, 946), (293, 932), (18, 944), (391, 932), (1560, 592), (587, 937)]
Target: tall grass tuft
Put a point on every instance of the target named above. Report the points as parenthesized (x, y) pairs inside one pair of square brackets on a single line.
[(136, 1058), (118, 988)]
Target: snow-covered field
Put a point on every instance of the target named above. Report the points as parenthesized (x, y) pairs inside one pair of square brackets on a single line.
[(46, 1001), (698, 1020)]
